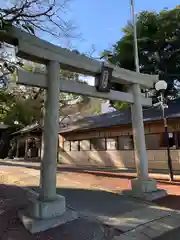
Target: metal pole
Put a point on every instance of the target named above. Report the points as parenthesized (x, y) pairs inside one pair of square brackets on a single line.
[(166, 132), (136, 56)]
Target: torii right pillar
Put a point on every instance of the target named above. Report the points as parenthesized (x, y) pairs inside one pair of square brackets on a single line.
[(142, 187)]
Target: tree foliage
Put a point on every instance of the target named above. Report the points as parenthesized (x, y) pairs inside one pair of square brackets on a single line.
[(38, 16), (22, 104), (26, 105), (158, 48)]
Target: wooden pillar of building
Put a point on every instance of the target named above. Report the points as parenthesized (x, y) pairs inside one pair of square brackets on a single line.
[(17, 148), (26, 148), (39, 148)]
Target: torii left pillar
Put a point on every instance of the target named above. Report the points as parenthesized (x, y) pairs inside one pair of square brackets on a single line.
[(48, 209)]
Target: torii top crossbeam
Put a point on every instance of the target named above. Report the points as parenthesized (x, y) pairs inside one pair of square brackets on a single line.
[(35, 49)]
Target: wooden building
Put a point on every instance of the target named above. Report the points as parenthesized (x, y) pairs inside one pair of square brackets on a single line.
[(107, 140), (27, 143)]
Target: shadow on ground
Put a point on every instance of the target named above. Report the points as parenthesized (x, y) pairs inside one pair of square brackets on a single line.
[(172, 235), (171, 201), (97, 202), (13, 198), (85, 201)]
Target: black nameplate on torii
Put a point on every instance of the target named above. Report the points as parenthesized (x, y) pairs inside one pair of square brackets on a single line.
[(103, 79)]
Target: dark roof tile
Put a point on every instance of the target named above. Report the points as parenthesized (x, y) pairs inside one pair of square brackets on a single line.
[(121, 118), (111, 119)]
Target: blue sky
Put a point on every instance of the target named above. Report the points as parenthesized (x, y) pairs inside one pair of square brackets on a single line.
[(100, 21)]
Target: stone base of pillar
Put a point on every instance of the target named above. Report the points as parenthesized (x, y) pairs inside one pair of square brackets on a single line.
[(45, 210), (145, 189), (40, 215), (144, 186)]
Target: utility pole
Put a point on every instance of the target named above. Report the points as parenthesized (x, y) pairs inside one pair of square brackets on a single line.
[(136, 56)]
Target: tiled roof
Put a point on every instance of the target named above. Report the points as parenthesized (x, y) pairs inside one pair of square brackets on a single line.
[(115, 118), (29, 128), (121, 118)]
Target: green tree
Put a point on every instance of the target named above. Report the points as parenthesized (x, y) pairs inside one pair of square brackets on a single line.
[(25, 105), (158, 48), (20, 103)]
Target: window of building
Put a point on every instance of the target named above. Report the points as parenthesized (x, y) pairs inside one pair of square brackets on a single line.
[(111, 144), (98, 144), (74, 145), (153, 141), (85, 145), (67, 146), (177, 139), (125, 142), (171, 139)]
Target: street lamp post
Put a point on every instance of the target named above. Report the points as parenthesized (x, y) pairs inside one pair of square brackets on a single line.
[(161, 86)]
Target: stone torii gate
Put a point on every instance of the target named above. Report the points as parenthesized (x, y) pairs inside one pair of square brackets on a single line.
[(49, 209)]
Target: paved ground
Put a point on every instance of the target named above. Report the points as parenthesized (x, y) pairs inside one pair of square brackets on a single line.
[(172, 235), (13, 198), (92, 193)]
